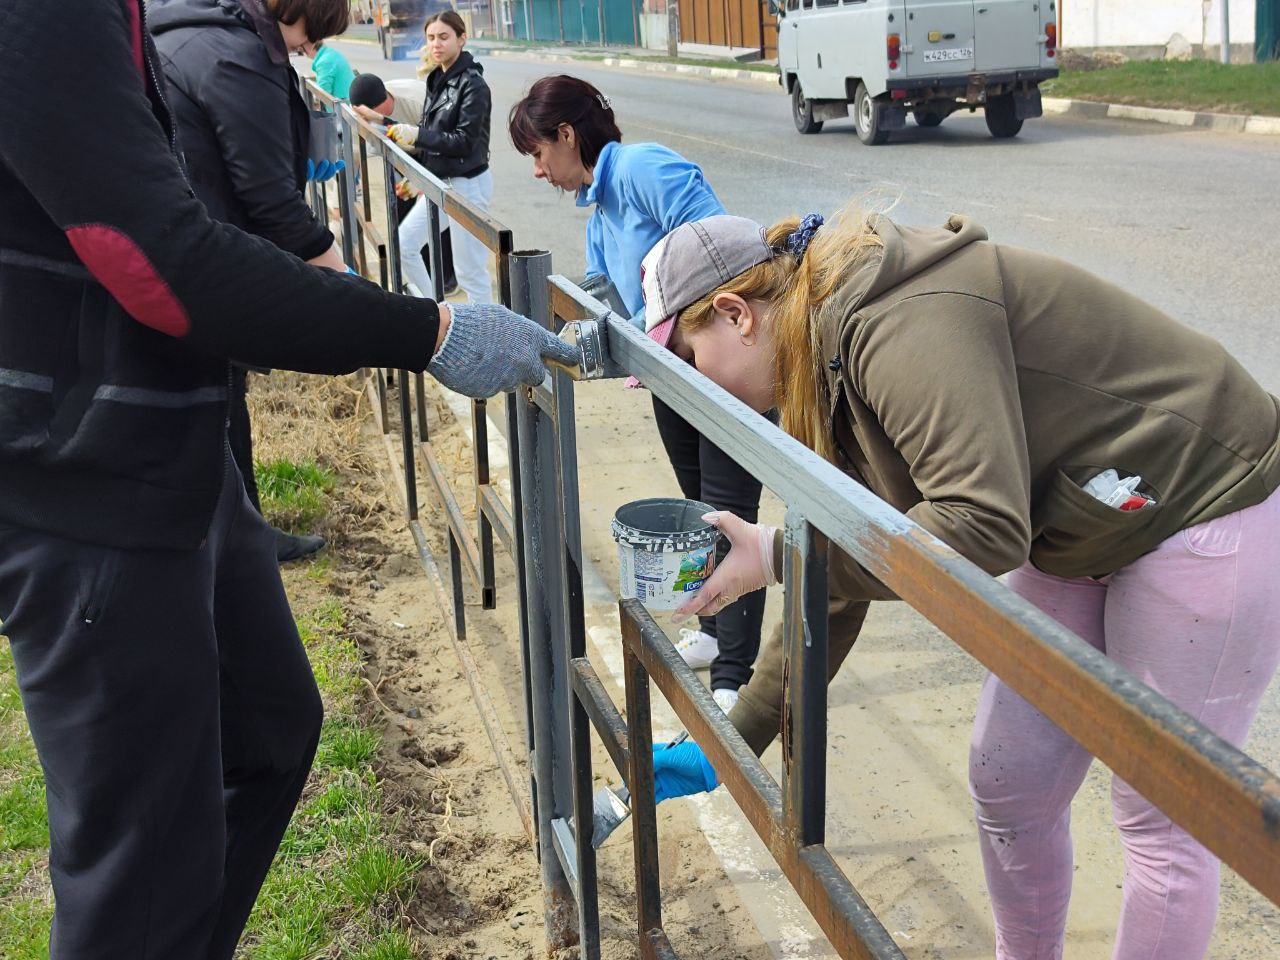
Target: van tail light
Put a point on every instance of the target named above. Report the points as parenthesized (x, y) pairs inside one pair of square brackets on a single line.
[(1050, 39), (894, 50)]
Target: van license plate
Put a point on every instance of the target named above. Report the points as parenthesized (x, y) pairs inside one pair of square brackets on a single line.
[(954, 53)]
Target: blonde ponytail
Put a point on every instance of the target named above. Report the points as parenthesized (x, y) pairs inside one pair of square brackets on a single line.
[(796, 293)]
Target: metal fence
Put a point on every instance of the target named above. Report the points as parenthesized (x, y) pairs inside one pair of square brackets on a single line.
[(1228, 801)]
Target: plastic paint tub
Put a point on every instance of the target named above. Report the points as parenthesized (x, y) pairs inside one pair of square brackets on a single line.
[(666, 551)]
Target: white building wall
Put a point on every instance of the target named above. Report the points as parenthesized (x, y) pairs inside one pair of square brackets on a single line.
[(1142, 23)]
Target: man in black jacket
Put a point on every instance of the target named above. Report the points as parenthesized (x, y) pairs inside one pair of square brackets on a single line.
[(244, 131), (167, 691)]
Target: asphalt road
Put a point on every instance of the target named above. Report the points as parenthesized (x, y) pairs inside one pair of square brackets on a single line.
[(1187, 219)]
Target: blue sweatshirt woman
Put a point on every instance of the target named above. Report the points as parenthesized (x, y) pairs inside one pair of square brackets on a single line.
[(641, 192)]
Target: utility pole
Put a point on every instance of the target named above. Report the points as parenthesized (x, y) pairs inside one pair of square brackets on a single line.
[(673, 28), (1224, 18)]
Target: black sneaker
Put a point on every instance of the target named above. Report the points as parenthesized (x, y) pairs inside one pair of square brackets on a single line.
[(292, 547)]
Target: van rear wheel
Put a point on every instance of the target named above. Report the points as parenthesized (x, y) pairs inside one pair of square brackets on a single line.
[(802, 111), (866, 117), (1002, 116)]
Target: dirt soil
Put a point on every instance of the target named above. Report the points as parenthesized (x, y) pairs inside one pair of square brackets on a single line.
[(479, 894)]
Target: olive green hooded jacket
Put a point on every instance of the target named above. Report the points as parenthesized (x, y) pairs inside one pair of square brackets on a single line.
[(976, 387)]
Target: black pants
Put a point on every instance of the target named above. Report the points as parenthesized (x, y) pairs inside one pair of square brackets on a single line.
[(705, 473), (240, 433), (176, 718)]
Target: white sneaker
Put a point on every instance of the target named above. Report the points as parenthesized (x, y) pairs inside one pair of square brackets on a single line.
[(697, 649), (725, 698)]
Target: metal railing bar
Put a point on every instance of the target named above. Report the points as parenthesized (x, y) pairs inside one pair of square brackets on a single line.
[(605, 718), (859, 934), (837, 907), (454, 519), (484, 529), (500, 518), (543, 397), (420, 395), (566, 847), (377, 399), (1165, 754)]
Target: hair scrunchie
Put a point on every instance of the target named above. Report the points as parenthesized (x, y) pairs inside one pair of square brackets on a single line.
[(799, 239)]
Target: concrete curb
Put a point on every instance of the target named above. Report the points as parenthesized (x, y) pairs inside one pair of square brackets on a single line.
[(630, 63), (1222, 122)]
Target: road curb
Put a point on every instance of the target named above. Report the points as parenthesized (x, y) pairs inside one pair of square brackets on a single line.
[(1222, 122), (643, 66)]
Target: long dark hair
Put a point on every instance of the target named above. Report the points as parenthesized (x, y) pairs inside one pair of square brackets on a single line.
[(450, 19), (559, 99)]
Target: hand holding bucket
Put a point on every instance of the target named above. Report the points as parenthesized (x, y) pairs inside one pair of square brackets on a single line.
[(746, 568)]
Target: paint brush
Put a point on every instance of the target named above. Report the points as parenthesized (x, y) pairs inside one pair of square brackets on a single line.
[(610, 808)]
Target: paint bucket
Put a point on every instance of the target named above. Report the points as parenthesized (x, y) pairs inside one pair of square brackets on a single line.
[(666, 551)]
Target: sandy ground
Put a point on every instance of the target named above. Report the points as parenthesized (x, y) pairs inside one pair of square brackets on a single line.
[(479, 894)]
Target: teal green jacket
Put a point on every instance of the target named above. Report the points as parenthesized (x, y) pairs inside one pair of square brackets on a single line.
[(333, 72)]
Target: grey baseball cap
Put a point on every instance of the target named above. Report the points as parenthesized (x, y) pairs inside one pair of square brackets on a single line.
[(693, 260)]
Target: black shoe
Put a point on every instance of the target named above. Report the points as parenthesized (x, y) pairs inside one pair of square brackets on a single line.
[(450, 285), (292, 547)]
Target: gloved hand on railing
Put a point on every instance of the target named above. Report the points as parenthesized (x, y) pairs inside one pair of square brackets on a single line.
[(488, 349), (746, 568), (681, 770), (322, 170), (405, 134)]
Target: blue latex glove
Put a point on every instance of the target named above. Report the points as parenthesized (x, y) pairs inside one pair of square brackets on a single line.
[(681, 770), (324, 169), (489, 350)]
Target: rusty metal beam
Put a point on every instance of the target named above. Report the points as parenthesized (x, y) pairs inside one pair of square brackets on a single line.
[(606, 719)]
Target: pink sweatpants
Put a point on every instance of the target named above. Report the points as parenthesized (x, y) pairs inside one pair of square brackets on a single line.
[(1198, 620)]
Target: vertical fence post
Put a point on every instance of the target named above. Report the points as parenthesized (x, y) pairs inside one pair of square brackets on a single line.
[(644, 815), (396, 285), (525, 273), (547, 694), (347, 182), (568, 645), (804, 712)]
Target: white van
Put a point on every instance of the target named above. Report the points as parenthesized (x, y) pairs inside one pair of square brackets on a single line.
[(888, 58)]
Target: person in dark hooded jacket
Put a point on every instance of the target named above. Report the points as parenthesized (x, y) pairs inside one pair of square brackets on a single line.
[(452, 141), (160, 669), (245, 132)]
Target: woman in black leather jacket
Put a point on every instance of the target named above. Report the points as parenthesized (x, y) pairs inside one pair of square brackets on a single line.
[(452, 141)]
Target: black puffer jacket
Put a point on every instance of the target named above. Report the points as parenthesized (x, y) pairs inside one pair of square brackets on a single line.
[(242, 122), (453, 134), (121, 300)]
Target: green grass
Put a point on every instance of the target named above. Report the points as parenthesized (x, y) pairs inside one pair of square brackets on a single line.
[(1189, 84), (294, 495), (338, 879)]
